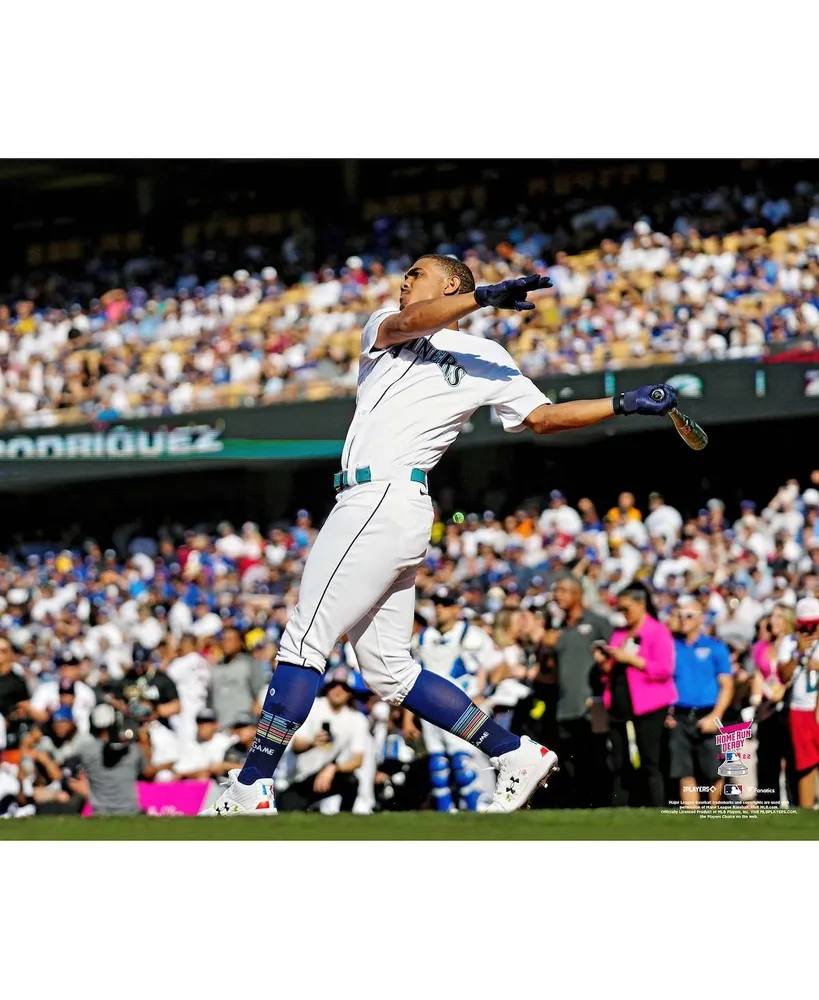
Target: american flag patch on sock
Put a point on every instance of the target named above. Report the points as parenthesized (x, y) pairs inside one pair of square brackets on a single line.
[(469, 723)]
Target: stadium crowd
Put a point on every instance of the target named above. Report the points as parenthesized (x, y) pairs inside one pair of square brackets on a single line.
[(734, 274), (151, 660)]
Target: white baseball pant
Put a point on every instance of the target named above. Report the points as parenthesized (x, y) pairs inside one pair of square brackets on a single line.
[(359, 579)]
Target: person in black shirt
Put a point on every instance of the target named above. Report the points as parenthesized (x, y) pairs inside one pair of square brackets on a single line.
[(582, 751), (144, 682), (13, 693)]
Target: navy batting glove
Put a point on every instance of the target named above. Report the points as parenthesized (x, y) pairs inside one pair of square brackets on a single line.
[(649, 400), (511, 294)]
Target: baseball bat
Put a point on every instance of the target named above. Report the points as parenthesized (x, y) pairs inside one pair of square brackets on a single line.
[(688, 429)]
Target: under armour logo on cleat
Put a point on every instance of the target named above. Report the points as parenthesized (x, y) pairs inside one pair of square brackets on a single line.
[(543, 751)]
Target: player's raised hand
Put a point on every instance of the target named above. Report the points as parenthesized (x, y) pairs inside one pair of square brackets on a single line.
[(511, 294)]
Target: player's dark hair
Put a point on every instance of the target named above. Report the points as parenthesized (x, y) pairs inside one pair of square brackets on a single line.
[(453, 267)]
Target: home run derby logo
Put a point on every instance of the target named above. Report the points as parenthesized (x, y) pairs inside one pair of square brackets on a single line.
[(731, 740)]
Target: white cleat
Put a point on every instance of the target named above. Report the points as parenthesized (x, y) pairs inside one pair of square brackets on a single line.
[(520, 773), (237, 799)]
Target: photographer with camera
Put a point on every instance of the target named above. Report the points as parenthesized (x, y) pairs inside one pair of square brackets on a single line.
[(113, 760), (329, 748), (800, 671)]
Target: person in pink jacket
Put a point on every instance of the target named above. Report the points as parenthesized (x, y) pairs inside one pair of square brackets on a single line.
[(638, 676)]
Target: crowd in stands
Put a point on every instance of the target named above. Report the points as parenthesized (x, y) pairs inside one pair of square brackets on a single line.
[(177, 633), (732, 275)]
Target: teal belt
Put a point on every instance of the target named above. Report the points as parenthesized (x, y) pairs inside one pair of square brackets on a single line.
[(341, 480)]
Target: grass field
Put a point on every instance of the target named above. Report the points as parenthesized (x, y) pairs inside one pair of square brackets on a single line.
[(604, 824)]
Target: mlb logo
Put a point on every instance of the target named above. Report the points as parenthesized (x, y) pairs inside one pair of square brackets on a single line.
[(733, 790)]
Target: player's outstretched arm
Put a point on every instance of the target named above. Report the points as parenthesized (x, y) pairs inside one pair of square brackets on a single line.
[(424, 318), (421, 319), (550, 419), (569, 416)]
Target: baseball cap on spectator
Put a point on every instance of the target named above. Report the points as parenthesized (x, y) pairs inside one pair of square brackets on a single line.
[(302, 514), (338, 675), (269, 274), (354, 263), (811, 497), (489, 515), (103, 716), (63, 714), (243, 719), (807, 611), (445, 597), (715, 504), (241, 275), (747, 505), (206, 715), (557, 495)]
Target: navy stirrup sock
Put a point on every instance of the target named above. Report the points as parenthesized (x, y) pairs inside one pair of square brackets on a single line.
[(445, 705), (287, 704)]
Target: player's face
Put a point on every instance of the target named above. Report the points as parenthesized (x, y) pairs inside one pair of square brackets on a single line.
[(424, 280)]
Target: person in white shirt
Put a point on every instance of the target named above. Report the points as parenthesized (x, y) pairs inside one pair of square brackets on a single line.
[(464, 654), (559, 518), (46, 697), (205, 756), (329, 748), (663, 520), (229, 544), (799, 669), (191, 672), (147, 630)]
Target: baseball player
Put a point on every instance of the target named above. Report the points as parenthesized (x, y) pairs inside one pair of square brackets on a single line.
[(420, 379), (464, 654)]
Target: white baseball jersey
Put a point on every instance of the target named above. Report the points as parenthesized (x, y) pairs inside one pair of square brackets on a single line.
[(414, 398), (359, 578), (458, 654), (805, 680)]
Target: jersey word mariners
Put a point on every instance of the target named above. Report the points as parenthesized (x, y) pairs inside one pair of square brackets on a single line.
[(414, 398), (457, 654)]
